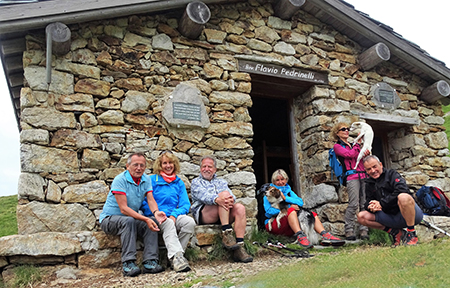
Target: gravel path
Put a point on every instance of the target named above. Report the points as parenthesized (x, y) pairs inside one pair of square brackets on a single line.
[(209, 273)]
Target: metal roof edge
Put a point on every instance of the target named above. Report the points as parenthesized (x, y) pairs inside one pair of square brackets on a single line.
[(24, 24)]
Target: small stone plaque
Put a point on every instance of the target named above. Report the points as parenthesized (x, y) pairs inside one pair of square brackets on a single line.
[(187, 111), (384, 96)]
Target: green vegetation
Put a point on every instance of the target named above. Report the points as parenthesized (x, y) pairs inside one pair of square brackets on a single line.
[(24, 276), (8, 206), (365, 266), (446, 109)]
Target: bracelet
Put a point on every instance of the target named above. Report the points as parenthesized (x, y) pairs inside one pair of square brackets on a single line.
[(155, 211)]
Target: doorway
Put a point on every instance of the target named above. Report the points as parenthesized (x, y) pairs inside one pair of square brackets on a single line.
[(272, 138)]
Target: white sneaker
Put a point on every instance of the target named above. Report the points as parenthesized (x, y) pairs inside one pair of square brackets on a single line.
[(179, 263)]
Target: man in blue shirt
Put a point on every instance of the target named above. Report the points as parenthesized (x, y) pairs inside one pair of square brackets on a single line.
[(120, 216), (214, 203)]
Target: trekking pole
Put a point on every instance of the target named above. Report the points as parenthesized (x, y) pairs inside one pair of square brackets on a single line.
[(428, 224)]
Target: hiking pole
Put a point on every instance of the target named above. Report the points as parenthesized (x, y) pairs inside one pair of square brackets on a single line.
[(428, 224)]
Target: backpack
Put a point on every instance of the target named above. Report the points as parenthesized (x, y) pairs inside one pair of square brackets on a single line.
[(337, 168), (260, 216), (433, 201)]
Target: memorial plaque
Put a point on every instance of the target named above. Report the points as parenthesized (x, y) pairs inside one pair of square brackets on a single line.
[(384, 96), (186, 111)]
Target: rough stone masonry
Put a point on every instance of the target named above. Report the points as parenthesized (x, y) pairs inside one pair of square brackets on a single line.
[(107, 99)]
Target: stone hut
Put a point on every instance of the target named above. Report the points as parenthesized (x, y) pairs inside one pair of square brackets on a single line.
[(257, 83)]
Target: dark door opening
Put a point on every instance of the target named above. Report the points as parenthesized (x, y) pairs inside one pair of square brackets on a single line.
[(271, 140)]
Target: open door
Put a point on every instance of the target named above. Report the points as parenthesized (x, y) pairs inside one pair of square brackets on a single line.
[(272, 139)]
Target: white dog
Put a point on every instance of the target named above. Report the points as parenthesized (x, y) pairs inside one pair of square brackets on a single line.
[(366, 134)]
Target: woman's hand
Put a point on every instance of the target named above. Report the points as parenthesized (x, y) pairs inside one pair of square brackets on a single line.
[(295, 206)]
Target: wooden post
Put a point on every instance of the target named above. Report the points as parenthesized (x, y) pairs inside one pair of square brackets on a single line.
[(195, 17), (439, 91), (374, 56), (60, 35), (286, 8)]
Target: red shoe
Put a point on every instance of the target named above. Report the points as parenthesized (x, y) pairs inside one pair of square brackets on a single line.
[(328, 239), (397, 235), (411, 238), (303, 241)]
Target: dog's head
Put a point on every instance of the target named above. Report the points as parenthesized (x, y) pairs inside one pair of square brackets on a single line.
[(356, 125), (273, 194)]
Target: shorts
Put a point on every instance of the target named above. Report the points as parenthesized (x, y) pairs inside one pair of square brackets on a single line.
[(397, 220), (284, 229)]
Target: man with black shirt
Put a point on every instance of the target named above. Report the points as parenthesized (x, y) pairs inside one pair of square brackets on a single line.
[(389, 204)]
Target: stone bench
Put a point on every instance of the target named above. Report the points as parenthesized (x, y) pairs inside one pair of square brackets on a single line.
[(88, 249)]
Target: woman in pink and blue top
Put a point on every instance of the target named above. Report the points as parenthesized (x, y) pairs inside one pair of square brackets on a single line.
[(347, 154)]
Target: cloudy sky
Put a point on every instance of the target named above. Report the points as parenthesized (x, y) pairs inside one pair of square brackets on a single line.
[(421, 22)]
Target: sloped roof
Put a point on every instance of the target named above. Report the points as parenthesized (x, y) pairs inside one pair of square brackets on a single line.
[(17, 18)]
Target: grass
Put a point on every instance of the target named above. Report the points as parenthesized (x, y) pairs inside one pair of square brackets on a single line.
[(8, 206), (25, 276), (366, 266), (446, 109)]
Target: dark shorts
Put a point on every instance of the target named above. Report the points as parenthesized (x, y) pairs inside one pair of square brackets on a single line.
[(397, 220)]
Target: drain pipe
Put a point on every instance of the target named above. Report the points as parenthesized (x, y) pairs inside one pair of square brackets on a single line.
[(58, 41), (48, 65)]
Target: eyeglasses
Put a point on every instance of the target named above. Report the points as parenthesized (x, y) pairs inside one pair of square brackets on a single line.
[(135, 165), (164, 152), (344, 129)]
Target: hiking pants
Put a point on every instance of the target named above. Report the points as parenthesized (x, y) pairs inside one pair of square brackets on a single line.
[(356, 199), (129, 230), (177, 235)]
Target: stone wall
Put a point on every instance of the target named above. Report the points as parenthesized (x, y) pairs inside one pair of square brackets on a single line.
[(108, 94)]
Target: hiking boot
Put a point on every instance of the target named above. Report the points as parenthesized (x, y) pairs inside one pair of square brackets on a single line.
[(179, 263), (151, 266), (364, 235), (228, 240), (411, 238), (350, 236), (240, 255), (397, 235), (328, 239), (129, 268), (302, 240)]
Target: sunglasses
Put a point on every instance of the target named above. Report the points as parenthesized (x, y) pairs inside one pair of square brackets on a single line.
[(165, 151), (344, 129)]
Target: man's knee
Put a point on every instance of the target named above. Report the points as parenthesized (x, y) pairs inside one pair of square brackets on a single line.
[(363, 216), (239, 210), (404, 200)]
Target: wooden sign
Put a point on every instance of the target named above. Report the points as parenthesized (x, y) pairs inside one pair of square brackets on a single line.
[(282, 72)]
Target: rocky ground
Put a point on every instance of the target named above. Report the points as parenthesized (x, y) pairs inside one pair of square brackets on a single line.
[(203, 274)]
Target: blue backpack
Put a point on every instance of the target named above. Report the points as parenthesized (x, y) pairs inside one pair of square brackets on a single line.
[(337, 168), (433, 201)]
